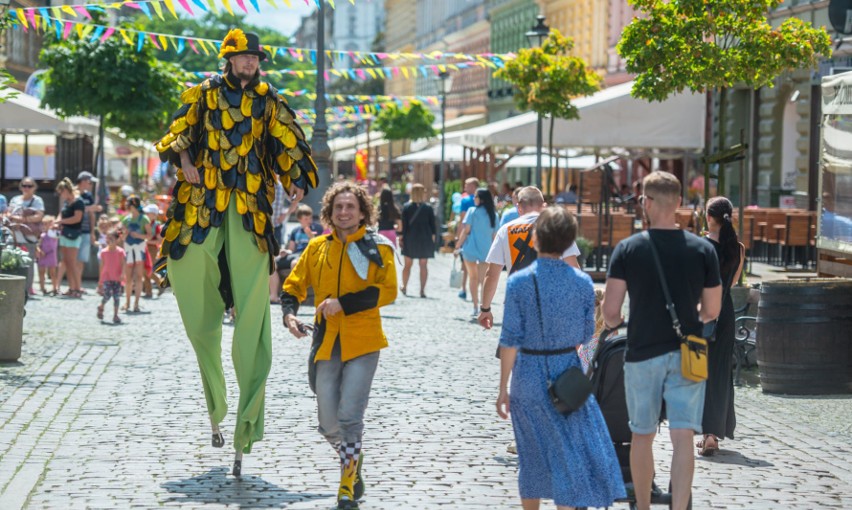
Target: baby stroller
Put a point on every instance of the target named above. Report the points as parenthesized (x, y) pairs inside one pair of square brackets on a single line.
[(608, 389)]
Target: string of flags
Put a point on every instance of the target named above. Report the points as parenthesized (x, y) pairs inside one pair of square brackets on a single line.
[(51, 19), (368, 73)]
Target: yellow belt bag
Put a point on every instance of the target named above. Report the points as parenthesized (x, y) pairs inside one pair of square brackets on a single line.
[(693, 358), (693, 349)]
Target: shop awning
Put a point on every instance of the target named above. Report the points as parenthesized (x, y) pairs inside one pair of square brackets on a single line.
[(609, 118), (23, 113), (452, 152)]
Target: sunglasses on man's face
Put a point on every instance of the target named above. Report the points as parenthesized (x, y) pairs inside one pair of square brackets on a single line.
[(25, 186)]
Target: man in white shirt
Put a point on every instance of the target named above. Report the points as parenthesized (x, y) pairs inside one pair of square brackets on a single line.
[(513, 247)]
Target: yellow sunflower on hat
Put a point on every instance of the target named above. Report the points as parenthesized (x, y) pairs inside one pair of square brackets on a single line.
[(234, 42)]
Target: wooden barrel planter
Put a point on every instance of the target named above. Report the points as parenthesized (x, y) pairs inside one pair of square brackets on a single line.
[(804, 344)]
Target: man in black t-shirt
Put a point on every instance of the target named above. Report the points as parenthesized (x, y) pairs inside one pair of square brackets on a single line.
[(652, 369)]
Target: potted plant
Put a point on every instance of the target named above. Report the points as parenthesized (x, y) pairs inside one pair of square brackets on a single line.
[(585, 247), (14, 260), (14, 263)]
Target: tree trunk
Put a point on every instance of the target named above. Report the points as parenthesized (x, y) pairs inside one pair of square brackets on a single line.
[(550, 171)]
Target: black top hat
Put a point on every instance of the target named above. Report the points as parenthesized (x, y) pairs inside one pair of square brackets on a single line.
[(238, 42)]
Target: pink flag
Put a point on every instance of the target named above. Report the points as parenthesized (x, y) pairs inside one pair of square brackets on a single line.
[(185, 5), (67, 31), (242, 5), (82, 11), (109, 32), (395, 71), (361, 74), (154, 40), (31, 16), (192, 45)]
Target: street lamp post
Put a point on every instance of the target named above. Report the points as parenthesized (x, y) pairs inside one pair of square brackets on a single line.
[(446, 84), (536, 36), (319, 143)]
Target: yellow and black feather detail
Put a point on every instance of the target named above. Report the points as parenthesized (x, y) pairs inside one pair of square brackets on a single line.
[(241, 141)]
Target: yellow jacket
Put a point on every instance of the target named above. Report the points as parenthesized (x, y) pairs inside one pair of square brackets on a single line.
[(325, 266)]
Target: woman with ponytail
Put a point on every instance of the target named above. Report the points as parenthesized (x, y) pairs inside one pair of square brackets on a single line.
[(719, 419), (70, 223)]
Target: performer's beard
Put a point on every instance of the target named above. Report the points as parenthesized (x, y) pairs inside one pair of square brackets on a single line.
[(244, 76)]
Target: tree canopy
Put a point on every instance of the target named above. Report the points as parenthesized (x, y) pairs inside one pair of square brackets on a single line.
[(411, 123), (129, 90), (713, 44), (547, 78)]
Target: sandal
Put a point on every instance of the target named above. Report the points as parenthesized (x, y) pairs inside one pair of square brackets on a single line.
[(404, 291), (101, 312), (708, 446), (116, 320)]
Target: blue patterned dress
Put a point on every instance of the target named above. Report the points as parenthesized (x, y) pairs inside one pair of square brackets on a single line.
[(569, 459)]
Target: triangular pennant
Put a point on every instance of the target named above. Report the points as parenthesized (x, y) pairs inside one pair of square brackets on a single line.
[(158, 9), (140, 41), (107, 34), (125, 36), (228, 7), (69, 10), (254, 4), (242, 5), (171, 7), (186, 6), (180, 45), (164, 42), (154, 41), (213, 6), (200, 5), (143, 6)]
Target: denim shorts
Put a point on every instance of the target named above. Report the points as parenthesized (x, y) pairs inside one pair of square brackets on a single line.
[(64, 242), (648, 382)]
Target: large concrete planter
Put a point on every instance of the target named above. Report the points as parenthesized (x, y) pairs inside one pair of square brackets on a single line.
[(12, 295)]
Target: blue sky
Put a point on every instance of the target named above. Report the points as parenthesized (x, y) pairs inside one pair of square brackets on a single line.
[(285, 20)]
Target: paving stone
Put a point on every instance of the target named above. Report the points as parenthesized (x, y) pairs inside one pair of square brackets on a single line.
[(101, 416)]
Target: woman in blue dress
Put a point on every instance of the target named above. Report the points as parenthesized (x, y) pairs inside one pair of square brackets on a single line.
[(569, 459), (477, 231)]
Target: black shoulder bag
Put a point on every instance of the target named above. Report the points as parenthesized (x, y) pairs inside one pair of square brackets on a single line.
[(693, 349), (572, 388)]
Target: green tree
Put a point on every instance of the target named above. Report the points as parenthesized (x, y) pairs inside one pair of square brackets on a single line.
[(411, 123), (547, 78), (128, 90), (711, 45), (215, 26), (6, 79)]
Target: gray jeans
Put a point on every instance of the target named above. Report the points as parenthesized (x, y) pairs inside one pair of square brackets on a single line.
[(343, 391)]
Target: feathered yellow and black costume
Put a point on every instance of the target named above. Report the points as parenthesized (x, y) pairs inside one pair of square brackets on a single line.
[(240, 140)]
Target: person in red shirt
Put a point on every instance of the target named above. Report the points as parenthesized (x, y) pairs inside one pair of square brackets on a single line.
[(113, 259)]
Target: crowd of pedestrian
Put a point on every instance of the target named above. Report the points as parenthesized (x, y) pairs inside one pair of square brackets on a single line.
[(224, 234)]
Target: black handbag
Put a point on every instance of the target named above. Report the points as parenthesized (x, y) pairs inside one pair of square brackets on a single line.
[(572, 387), (317, 334)]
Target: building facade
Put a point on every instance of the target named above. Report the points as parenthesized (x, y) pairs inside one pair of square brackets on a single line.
[(510, 20), (586, 21), (455, 26), (400, 37), (355, 28)]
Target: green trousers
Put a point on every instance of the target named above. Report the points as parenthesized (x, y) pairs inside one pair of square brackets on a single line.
[(195, 280)]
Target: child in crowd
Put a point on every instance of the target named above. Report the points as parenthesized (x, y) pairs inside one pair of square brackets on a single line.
[(103, 232), (153, 246), (586, 352), (112, 270), (47, 253)]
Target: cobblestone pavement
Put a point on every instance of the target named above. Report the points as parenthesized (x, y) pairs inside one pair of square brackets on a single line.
[(103, 416)]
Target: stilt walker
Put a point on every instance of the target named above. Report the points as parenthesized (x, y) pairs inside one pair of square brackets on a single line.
[(231, 140)]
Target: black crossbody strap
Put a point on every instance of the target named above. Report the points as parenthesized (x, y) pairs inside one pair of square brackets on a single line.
[(669, 304), (538, 305)]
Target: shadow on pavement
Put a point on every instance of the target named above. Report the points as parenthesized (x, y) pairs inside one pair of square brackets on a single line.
[(217, 487), (735, 458)]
